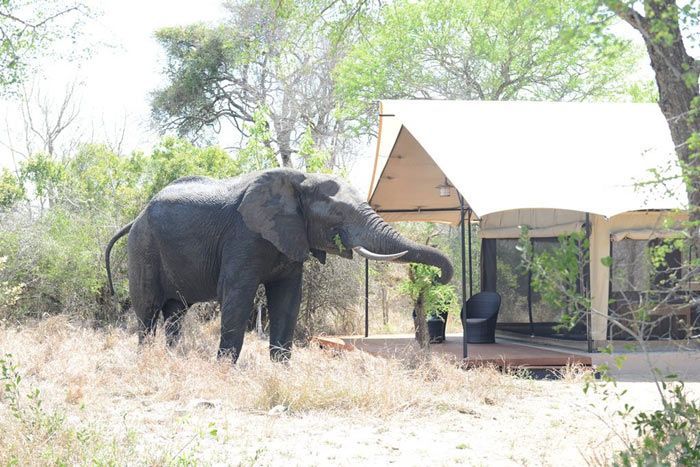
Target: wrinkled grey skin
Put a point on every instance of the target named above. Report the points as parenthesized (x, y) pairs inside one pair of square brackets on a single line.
[(201, 239)]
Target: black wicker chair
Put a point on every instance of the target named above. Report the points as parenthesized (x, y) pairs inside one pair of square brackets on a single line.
[(481, 315)]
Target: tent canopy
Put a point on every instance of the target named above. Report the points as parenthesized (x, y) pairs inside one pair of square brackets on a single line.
[(507, 155)]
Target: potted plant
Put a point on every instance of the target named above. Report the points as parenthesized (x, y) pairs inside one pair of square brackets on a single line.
[(440, 300), (432, 301)]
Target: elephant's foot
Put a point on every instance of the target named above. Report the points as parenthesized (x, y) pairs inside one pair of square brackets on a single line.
[(280, 354), (227, 354), (173, 314)]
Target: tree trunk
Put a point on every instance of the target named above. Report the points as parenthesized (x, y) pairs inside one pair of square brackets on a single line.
[(677, 81), (283, 138), (421, 323), (385, 306)]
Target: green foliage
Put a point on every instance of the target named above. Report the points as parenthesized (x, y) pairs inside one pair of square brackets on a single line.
[(339, 243), (275, 56), (643, 92), (558, 274), (11, 189), (175, 158), (10, 293), (46, 175), (447, 239), (69, 250), (316, 159), (101, 181), (195, 54), (54, 259), (423, 281), (27, 29), (482, 49), (667, 437), (257, 154)]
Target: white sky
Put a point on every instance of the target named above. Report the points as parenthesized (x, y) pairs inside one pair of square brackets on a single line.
[(124, 68), (116, 80)]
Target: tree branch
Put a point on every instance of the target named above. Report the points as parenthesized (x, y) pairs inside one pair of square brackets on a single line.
[(633, 18)]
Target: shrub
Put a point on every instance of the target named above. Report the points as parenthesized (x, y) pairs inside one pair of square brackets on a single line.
[(330, 295), (56, 262), (667, 437), (437, 298), (55, 254), (11, 189)]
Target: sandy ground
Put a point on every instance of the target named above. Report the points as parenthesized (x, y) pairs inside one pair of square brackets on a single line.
[(159, 407), (551, 424)]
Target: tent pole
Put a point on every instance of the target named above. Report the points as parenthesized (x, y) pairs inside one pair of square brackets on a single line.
[(469, 227), (464, 279), (366, 297), (587, 283), (529, 293)]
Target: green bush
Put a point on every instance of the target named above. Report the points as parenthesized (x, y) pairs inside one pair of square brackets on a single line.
[(53, 245), (437, 298), (667, 437), (176, 158), (11, 189)]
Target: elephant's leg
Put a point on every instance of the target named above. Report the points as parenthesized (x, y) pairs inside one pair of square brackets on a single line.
[(147, 317), (283, 299), (173, 314), (236, 297), (145, 290)]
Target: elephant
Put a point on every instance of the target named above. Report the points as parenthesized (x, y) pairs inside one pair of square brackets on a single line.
[(201, 239)]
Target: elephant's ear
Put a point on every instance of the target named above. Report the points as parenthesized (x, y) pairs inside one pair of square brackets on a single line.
[(271, 207)]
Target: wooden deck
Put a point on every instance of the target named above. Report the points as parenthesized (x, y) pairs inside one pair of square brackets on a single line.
[(500, 354)]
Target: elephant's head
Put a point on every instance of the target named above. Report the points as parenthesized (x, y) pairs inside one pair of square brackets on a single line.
[(300, 212)]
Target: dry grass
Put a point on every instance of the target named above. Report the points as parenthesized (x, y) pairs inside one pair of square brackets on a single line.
[(114, 402), (84, 365)]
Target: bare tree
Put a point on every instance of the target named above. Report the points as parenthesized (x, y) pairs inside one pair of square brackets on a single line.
[(46, 121)]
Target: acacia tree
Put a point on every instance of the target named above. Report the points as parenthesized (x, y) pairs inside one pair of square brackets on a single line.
[(272, 55), (46, 122), (481, 49)]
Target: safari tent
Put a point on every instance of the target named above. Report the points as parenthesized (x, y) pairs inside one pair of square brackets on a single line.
[(555, 168)]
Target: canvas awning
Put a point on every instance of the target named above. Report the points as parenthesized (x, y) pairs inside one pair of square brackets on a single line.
[(586, 157)]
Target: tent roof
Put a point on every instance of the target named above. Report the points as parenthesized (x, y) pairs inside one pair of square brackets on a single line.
[(504, 155)]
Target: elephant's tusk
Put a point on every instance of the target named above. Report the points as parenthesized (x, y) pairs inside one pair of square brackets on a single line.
[(364, 252)]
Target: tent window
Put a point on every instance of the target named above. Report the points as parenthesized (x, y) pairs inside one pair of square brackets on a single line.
[(502, 261), (631, 266), (637, 281), (541, 311), (511, 282), (633, 270)]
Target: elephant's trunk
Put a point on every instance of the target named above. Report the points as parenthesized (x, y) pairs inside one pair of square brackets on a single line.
[(380, 238)]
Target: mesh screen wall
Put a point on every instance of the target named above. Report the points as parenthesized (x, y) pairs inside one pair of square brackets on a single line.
[(502, 272)]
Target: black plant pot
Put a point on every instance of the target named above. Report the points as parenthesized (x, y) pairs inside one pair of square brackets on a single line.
[(436, 330), (443, 317)]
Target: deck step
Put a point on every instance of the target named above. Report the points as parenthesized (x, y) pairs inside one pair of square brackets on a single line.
[(500, 355)]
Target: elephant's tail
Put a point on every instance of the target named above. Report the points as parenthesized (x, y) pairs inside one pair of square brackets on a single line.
[(124, 230)]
